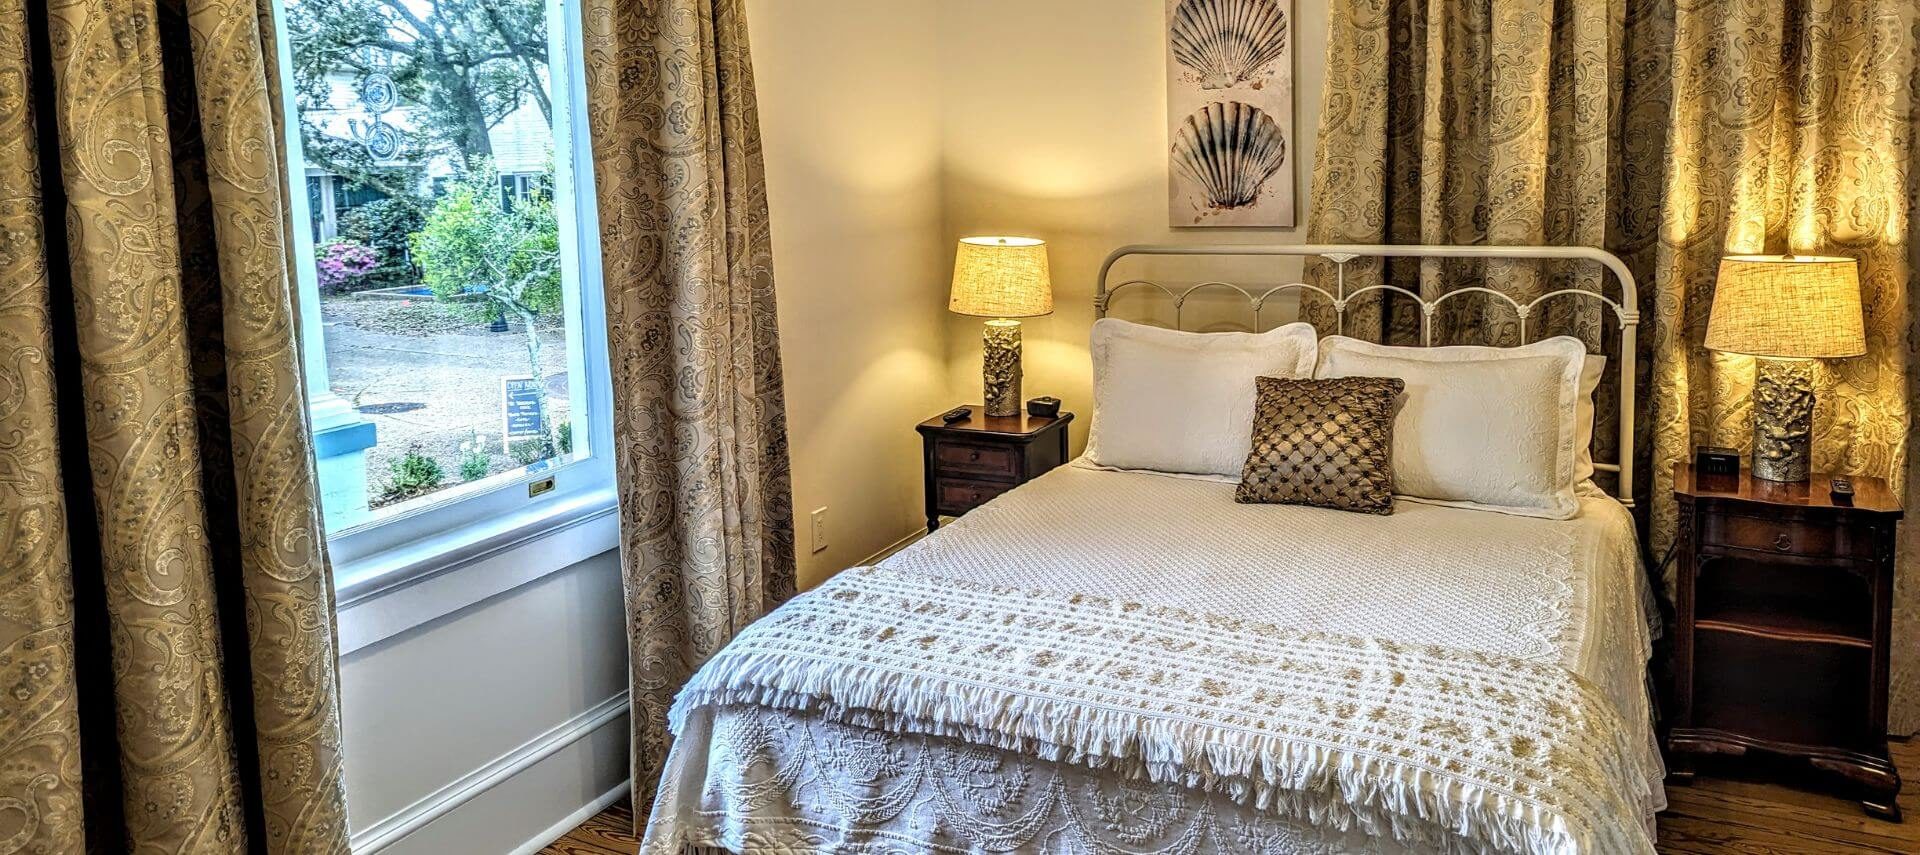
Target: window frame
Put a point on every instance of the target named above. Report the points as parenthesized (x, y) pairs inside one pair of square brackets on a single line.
[(496, 519)]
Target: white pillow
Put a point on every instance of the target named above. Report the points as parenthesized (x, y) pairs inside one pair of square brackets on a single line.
[(1590, 372), (1172, 401), (1492, 428)]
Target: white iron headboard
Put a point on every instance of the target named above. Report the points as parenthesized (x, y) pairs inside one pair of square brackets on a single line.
[(1624, 309)]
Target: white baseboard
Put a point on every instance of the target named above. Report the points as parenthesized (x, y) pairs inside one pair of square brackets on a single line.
[(573, 820), (440, 802)]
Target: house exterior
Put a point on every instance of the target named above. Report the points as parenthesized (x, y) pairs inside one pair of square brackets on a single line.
[(366, 108)]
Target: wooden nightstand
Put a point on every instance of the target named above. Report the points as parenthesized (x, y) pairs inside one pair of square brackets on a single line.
[(1783, 612), (981, 456)]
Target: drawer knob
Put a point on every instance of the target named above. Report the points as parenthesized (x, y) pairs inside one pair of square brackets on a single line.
[(1782, 542), (973, 456)]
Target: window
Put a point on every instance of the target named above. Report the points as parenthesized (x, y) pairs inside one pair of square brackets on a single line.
[(452, 335)]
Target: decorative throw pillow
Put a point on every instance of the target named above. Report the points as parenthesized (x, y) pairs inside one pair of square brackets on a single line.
[(1325, 443)]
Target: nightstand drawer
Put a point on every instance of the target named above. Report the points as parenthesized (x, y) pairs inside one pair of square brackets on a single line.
[(958, 496), (971, 459), (986, 461), (1784, 537)]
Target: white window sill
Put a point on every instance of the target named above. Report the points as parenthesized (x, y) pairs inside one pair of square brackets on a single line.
[(398, 589)]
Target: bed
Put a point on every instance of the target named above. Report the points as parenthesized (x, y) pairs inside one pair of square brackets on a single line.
[(1127, 662)]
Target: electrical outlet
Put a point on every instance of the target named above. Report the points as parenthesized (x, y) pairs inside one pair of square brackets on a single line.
[(819, 529)]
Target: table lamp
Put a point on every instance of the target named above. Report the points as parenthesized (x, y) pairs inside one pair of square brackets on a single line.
[(1001, 278), (1786, 310)]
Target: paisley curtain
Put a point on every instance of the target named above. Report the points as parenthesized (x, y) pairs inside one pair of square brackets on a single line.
[(1476, 122), (166, 640), (706, 500), (1792, 130), (1670, 134)]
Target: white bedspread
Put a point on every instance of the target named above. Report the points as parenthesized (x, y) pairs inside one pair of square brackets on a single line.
[(1557, 602)]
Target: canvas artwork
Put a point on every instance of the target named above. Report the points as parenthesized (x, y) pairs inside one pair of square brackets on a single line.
[(1230, 112)]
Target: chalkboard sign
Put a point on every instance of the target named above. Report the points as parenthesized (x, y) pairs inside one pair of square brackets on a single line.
[(522, 410)]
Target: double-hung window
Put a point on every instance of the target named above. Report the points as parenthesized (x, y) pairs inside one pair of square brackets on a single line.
[(448, 276)]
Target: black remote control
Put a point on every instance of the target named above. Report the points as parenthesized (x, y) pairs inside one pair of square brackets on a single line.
[(956, 414), (1842, 491)]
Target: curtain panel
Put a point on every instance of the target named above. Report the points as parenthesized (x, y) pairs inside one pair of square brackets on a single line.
[(1474, 122), (706, 505), (1669, 134), (1791, 131), (166, 639)]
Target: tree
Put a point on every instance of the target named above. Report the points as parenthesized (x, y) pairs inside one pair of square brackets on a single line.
[(466, 63), (477, 252)]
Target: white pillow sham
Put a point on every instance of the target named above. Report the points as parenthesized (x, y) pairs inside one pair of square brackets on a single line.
[(1172, 401), (1590, 372), (1492, 428)]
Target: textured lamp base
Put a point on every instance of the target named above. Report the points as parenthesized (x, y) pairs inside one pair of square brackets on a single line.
[(1782, 418), (1000, 367)]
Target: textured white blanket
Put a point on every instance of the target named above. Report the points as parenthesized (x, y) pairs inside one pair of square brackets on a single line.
[(1439, 669)]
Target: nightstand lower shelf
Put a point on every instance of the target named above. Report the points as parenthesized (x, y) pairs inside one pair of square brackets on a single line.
[(1779, 690), (1757, 627)]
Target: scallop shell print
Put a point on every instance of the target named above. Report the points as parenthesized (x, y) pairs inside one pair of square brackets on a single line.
[(1227, 42), (1229, 149)]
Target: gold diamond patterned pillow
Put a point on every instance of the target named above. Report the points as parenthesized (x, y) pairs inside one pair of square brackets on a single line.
[(1325, 443)]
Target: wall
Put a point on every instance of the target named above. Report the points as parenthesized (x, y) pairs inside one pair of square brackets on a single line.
[(852, 137), (893, 129), (442, 721), (1057, 128)]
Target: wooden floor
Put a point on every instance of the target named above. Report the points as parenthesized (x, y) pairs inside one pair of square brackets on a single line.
[(609, 832), (1720, 814), (1713, 815)]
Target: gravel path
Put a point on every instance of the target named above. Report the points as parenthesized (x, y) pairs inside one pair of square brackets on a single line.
[(428, 378)]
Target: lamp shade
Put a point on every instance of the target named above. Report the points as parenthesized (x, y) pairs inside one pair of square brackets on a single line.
[(1001, 277), (1787, 306)]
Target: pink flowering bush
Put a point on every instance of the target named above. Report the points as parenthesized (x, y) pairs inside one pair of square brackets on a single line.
[(343, 264)]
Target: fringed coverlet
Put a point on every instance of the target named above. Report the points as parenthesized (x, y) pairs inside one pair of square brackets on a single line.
[(925, 706)]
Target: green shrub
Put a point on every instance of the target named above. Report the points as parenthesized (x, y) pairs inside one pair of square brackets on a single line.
[(414, 474), (527, 452), (566, 437), (475, 462), (386, 225)]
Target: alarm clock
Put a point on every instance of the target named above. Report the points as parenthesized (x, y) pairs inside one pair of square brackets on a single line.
[(1045, 406), (1841, 490), (1716, 461)]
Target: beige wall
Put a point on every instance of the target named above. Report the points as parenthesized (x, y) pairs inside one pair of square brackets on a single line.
[(1057, 128), (891, 130), (852, 139)]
